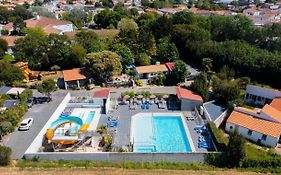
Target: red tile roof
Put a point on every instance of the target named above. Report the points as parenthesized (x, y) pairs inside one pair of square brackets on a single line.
[(170, 66), (73, 74), (104, 93), (276, 103), (272, 112), (255, 124), (10, 39), (187, 94)]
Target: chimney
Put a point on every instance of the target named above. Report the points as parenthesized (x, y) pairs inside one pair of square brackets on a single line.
[(37, 17)]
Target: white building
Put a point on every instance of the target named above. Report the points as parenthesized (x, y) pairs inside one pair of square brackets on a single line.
[(215, 112), (253, 128), (260, 96), (102, 98), (188, 99), (146, 72)]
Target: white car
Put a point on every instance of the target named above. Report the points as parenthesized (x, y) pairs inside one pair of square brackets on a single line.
[(26, 124)]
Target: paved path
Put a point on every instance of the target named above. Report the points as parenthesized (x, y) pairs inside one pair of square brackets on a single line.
[(19, 141)]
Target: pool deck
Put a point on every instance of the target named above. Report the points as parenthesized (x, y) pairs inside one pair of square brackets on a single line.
[(122, 137)]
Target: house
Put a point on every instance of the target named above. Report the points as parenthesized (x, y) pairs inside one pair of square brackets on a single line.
[(11, 42), (146, 72), (170, 66), (74, 78), (188, 100), (215, 112), (49, 25), (102, 98), (260, 96), (13, 91), (246, 123)]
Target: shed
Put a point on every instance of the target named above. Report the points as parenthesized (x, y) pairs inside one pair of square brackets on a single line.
[(188, 99), (215, 112), (102, 98)]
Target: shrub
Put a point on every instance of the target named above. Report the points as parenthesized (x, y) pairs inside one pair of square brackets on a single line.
[(5, 155), (218, 135), (158, 80), (138, 82)]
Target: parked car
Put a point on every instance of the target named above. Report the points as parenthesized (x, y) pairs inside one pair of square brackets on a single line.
[(30, 102), (40, 100), (26, 124)]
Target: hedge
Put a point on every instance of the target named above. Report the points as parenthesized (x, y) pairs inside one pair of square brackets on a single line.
[(218, 136), (5, 155)]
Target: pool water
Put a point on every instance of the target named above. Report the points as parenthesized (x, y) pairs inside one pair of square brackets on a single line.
[(160, 134)]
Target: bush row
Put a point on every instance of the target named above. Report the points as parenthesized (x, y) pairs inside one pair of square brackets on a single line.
[(10, 118), (220, 139)]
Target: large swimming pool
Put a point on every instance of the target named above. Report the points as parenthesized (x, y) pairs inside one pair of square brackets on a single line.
[(159, 133)]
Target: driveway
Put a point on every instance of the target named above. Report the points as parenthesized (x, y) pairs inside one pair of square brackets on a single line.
[(19, 141)]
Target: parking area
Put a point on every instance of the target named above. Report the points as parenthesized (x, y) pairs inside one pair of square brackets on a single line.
[(19, 141)]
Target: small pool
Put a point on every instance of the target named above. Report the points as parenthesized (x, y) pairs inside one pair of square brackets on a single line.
[(159, 133)]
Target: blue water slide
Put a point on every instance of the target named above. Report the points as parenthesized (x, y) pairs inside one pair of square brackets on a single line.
[(68, 119)]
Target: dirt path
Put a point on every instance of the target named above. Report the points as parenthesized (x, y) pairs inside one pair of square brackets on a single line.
[(113, 171)]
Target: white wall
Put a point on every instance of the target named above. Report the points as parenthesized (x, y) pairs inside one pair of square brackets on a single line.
[(107, 105), (187, 104), (37, 142), (65, 28), (270, 141)]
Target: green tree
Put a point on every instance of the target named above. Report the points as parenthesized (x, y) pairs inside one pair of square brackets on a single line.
[(146, 42), (107, 18), (21, 12), (4, 15), (179, 72), (77, 16), (119, 7), (167, 51), (3, 47), (5, 155), (162, 27), (89, 40), (127, 57), (145, 3), (18, 25), (142, 60), (47, 87), (235, 150), (200, 86), (103, 65), (9, 73), (77, 56)]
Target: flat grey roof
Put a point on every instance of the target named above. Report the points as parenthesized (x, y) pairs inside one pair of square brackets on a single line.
[(10, 103), (214, 109)]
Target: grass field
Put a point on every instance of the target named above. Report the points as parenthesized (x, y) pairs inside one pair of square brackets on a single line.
[(112, 171)]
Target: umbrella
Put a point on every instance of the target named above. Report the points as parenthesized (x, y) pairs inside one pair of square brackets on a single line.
[(126, 97), (140, 96), (152, 96), (166, 96)]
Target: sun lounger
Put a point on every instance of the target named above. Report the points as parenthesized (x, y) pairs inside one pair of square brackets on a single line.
[(112, 124), (147, 105)]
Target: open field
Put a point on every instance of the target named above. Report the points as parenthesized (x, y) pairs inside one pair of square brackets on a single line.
[(112, 171)]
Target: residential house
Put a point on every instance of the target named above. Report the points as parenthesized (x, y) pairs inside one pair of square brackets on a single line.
[(146, 72), (11, 42), (260, 96), (49, 25), (74, 78), (188, 99), (249, 124), (262, 126)]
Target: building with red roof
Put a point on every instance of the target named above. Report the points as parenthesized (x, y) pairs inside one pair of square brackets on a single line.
[(102, 97), (188, 99), (74, 77)]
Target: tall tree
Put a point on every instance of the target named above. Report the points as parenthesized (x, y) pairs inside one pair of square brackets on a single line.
[(147, 43), (3, 47), (162, 27), (167, 51), (179, 72), (18, 25), (103, 65), (89, 40), (9, 73), (126, 55), (142, 60), (200, 86), (47, 87), (235, 150), (78, 16)]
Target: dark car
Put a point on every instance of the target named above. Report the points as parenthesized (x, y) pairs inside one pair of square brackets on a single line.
[(40, 100), (30, 102)]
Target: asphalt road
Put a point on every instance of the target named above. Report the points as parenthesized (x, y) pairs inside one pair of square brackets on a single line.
[(19, 141)]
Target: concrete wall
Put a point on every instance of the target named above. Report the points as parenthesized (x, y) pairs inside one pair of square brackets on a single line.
[(37, 142), (220, 119), (122, 157), (270, 141), (187, 104), (107, 105)]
